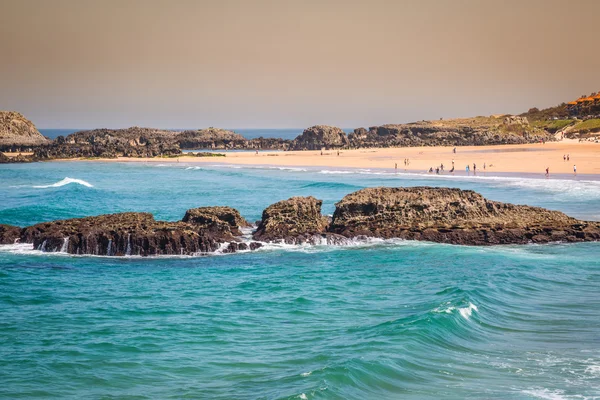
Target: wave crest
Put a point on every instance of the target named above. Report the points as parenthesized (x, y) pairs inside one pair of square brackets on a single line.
[(65, 181)]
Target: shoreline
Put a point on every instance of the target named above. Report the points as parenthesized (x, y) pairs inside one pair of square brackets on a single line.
[(529, 159)]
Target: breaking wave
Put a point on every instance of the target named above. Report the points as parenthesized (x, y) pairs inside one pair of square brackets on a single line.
[(65, 181)]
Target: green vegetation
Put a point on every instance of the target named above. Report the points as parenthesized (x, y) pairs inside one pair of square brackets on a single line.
[(589, 126), (559, 111), (553, 126)]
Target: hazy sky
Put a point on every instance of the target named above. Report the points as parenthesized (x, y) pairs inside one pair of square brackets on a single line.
[(269, 64)]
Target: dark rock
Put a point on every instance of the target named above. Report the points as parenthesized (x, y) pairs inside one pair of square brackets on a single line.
[(296, 220), (452, 216), (206, 230), (212, 216), (320, 136), (9, 234)]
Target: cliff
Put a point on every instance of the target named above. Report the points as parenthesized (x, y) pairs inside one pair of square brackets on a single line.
[(18, 133)]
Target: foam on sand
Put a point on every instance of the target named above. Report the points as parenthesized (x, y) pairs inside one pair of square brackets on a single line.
[(65, 181)]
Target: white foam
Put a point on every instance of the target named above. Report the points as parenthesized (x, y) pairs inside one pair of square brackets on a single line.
[(467, 311), (593, 370), (65, 181), (302, 396), (305, 374), (546, 394)]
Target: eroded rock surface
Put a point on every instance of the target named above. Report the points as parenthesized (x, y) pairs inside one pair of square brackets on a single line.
[(204, 230), (9, 234), (17, 132), (452, 216), (295, 221), (319, 136)]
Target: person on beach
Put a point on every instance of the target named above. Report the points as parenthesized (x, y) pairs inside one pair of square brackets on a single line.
[(452, 170), (467, 169), (574, 169), (442, 167), (396, 167), (484, 167), (453, 163), (568, 158), (564, 157), (430, 170), (547, 171), (437, 170), (474, 169), (454, 150)]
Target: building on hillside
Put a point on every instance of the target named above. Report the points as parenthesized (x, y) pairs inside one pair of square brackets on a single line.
[(585, 105)]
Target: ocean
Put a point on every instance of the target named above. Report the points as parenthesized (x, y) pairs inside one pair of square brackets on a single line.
[(373, 320)]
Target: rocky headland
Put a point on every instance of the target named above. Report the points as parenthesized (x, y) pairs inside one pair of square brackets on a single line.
[(439, 215), (17, 133)]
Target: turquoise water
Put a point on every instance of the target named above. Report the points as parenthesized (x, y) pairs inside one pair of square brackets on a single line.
[(378, 320)]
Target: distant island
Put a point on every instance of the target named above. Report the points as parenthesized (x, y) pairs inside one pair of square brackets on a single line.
[(20, 141)]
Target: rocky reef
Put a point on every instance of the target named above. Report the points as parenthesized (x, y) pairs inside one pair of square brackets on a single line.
[(441, 215), (294, 221), (452, 216), (203, 230), (17, 133)]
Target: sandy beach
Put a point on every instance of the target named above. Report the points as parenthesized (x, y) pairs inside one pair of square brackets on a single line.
[(529, 158)]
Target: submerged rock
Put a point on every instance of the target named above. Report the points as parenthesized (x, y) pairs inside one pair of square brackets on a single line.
[(295, 221), (452, 216)]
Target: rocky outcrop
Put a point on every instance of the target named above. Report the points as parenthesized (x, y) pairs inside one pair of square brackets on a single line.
[(210, 138), (478, 131), (9, 234), (205, 230), (111, 143), (17, 133), (294, 221), (452, 216), (214, 216), (320, 136)]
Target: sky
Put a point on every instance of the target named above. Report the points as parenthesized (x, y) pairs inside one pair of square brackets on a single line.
[(291, 63)]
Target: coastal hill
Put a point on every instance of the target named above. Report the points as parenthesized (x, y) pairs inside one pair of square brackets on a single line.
[(18, 131), (577, 119)]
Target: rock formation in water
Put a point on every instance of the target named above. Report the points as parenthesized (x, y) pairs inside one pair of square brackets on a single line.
[(440, 215), (452, 216), (320, 136), (295, 221), (205, 230), (17, 133), (9, 234), (214, 216)]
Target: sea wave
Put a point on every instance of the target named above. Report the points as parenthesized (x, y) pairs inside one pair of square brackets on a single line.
[(65, 181)]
